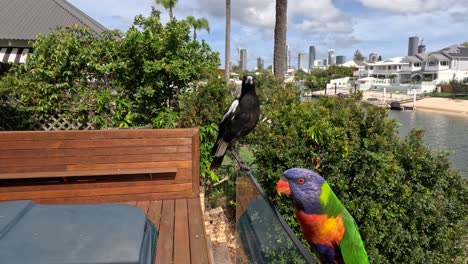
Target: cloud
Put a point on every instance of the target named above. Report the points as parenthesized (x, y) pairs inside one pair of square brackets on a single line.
[(459, 16), (257, 13), (306, 16), (320, 16), (412, 6)]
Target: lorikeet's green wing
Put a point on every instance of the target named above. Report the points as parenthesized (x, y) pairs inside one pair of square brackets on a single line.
[(351, 246)]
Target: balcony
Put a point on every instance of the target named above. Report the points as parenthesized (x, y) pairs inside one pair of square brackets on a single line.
[(434, 66)]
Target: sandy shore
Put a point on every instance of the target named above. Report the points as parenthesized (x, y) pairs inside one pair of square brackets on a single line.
[(444, 105)]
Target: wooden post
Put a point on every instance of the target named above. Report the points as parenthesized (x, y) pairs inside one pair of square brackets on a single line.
[(335, 88)]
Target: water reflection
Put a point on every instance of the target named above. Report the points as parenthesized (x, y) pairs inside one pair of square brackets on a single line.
[(442, 131)]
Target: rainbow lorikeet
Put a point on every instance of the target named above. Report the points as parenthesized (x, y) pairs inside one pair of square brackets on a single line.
[(325, 222)]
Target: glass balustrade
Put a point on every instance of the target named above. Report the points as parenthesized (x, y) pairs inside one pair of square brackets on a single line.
[(261, 232)]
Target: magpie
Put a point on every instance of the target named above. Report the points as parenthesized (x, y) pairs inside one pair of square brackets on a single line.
[(240, 118)]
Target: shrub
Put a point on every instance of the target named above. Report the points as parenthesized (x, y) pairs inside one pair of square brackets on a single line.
[(409, 204), (111, 79)]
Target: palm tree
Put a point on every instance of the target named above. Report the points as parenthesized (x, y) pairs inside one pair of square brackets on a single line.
[(279, 58), (227, 51), (168, 5), (200, 23)]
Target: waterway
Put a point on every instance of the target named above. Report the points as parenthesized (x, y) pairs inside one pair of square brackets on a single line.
[(442, 131)]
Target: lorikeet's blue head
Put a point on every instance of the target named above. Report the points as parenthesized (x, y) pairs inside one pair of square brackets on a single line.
[(304, 186)]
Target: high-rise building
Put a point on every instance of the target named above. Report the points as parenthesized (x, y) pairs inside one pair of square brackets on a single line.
[(301, 61), (311, 56), (260, 63), (340, 59), (331, 57), (288, 58), (243, 59), (413, 43), (373, 57), (422, 49), (325, 62), (317, 63)]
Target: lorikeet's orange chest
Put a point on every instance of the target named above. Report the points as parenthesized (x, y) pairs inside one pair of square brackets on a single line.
[(321, 228)]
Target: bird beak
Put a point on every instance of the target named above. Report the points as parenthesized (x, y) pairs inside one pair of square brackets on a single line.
[(282, 187)]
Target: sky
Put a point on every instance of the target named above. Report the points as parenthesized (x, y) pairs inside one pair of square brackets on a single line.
[(372, 26)]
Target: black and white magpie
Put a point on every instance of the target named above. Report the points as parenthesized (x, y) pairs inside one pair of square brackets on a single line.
[(241, 118)]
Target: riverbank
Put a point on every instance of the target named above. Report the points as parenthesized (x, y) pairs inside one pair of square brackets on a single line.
[(442, 105), (449, 106)]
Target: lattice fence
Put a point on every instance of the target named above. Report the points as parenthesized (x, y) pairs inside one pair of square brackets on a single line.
[(59, 122)]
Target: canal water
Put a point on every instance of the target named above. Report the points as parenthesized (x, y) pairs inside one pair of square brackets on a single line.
[(442, 131)]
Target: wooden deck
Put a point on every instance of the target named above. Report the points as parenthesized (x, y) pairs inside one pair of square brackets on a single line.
[(182, 237)]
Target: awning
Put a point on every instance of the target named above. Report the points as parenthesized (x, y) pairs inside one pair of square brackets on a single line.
[(14, 55)]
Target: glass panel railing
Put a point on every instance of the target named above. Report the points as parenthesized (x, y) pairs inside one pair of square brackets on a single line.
[(262, 234)]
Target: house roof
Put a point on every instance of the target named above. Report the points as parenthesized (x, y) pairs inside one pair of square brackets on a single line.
[(392, 61), (411, 59), (462, 52), (439, 56), (452, 48), (24, 19), (454, 51), (352, 63), (421, 56)]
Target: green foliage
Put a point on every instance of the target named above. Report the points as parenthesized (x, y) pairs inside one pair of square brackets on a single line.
[(112, 79), (409, 204), (459, 86), (200, 23), (169, 5), (318, 78), (300, 74), (465, 44), (358, 56), (160, 63), (71, 72), (166, 119)]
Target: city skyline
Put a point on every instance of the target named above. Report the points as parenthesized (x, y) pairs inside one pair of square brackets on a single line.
[(312, 56), (344, 25)]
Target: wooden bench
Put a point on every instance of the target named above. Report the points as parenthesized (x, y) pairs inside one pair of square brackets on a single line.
[(156, 170), (99, 166)]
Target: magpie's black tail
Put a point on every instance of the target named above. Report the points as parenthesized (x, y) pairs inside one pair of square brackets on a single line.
[(217, 152), (216, 162)]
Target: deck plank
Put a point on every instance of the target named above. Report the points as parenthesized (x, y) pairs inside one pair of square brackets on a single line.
[(181, 232), (165, 244), (198, 246), (144, 206), (154, 213)]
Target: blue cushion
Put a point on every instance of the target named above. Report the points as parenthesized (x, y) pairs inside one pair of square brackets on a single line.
[(100, 233)]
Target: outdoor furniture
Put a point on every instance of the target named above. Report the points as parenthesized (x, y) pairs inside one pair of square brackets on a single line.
[(156, 170)]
